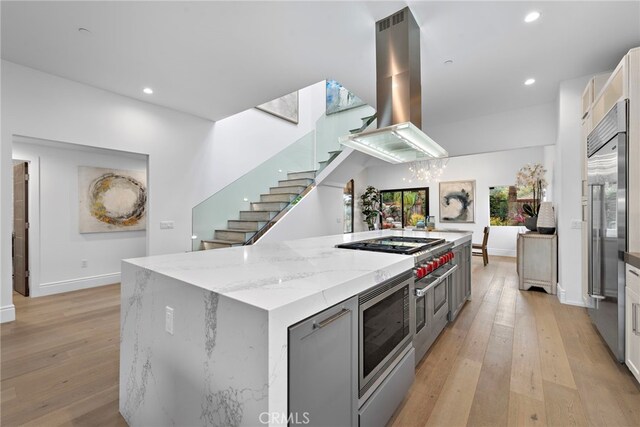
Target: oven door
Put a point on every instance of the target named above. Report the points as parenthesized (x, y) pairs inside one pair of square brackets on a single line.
[(385, 328)]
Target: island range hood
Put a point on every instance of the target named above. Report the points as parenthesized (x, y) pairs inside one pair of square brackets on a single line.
[(399, 138)]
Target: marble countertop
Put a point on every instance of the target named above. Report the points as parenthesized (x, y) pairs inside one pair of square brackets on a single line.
[(273, 275), (632, 258)]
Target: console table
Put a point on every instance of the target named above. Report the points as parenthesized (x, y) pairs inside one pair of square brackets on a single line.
[(537, 256)]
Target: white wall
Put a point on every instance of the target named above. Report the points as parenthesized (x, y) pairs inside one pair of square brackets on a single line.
[(567, 188), (246, 139), (488, 170), (189, 157), (57, 245), (321, 212), (318, 214), (519, 128)]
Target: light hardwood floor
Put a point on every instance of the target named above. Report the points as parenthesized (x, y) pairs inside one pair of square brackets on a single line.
[(60, 360), (519, 358), (511, 358)]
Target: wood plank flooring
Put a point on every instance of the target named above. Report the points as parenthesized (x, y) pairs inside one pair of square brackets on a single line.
[(519, 358), (511, 358), (59, 360)]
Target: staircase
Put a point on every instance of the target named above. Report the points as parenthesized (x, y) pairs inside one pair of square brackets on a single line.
[(251, 224)]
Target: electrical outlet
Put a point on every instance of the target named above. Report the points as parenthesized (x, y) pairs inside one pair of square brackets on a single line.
[(83, 263), (168, 323), (166, 225)]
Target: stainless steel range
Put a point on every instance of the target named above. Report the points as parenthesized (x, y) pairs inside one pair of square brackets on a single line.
[(410, 309)]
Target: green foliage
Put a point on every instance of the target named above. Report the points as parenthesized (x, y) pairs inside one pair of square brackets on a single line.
[(499, 202), (499, 221), (370, 209)]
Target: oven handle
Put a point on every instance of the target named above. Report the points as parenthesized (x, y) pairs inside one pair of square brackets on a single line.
[(423, 291)]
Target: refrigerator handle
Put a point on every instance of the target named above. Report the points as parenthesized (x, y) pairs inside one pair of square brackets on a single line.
[(595, 229)]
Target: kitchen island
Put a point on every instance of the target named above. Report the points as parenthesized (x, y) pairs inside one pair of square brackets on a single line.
[(204, 335)]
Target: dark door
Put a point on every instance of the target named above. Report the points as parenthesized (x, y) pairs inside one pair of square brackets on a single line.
[(20, 229)]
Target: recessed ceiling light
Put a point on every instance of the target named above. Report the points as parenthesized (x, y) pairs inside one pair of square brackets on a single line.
[(448, 62), (529, 82), (532, 16), (84, 31), (147, 90)]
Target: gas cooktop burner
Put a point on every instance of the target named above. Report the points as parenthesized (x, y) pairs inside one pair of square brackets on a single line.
[(394, 244)]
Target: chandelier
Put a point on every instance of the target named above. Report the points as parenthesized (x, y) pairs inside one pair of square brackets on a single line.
[(427, 170)]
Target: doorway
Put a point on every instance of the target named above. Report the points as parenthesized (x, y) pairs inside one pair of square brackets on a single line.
[(20, 236)]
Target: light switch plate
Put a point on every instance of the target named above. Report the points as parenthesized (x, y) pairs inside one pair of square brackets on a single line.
[(168, 324), (576, 223), (166, 225)]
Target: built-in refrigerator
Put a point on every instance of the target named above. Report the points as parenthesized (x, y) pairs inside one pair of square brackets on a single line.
[(607, 194)]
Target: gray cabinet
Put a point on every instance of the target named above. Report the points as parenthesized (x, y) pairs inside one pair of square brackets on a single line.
[(460, 290), (323, 367), (538, 261)]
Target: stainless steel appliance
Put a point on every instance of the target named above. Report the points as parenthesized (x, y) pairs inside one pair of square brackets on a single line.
[(384, 329), (386, 325), (429, 303), (432, 289), (607, 195)]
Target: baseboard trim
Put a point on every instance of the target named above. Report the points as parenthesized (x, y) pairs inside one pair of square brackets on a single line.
[(562, 297), (76, 284), (7, 313), (561, 293), (501, 252)]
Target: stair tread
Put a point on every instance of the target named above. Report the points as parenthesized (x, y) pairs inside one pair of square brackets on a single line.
[(278, 194), (295, 179), (246, 220), (224, 242), (239, 230), (309, 171), (259, 210), (262, 203)]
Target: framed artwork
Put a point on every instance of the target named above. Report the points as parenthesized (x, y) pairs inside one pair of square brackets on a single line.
[(457, 201), (111, 200), (340, 99), (285, 107)]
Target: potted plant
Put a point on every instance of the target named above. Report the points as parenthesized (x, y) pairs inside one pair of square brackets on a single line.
[(370, 209), (531, 178)]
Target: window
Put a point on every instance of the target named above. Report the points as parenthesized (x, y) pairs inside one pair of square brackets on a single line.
[(505, 205), (404, 208)]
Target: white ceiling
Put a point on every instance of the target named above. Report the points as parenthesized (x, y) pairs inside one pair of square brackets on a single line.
[(214, 59)]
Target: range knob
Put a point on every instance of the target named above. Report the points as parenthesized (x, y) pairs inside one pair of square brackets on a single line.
[(419, 273), (428, 267)]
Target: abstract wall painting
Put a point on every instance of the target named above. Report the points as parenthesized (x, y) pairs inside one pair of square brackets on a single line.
[(285, 107), (340, 99), (111, 200), (457, 201)]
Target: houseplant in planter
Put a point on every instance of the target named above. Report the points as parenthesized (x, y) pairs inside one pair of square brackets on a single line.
[(530, 179), (370, 201)]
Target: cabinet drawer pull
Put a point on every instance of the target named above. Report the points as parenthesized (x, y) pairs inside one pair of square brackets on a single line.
[(634, 273), (331, 319), (634, 318)]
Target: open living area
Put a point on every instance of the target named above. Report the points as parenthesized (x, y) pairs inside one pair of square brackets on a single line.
[(320, 213)]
